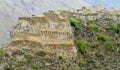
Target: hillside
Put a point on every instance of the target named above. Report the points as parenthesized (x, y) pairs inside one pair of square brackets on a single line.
[(96, 39), (12, 9)]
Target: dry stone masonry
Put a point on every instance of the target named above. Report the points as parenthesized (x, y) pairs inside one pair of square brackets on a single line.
[(49, 31)]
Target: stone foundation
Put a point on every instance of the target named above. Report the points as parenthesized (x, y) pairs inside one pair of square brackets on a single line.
[(58, 49)]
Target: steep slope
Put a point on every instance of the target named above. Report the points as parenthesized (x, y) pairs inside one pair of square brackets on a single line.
[(12, 9), (97, 41)]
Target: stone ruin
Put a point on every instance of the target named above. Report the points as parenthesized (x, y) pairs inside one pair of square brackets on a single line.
[(49, 32), (52, 30)]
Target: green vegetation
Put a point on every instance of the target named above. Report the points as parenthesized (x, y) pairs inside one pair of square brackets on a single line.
[(83, 62), (114, 28), (81, 46), (93, 27), (35, 67), (95, 44), (16, 68), (75, 22), (102, 37), (28, 57), (89, 20), (61, 57), (97, 54), (109, 45), (64, 67), (40, 53), (119, 50), (1, 51)]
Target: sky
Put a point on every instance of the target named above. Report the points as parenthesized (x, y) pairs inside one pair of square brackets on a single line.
[(106, 3)]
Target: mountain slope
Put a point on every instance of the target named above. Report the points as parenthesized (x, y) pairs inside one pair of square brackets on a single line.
[(12, 9)]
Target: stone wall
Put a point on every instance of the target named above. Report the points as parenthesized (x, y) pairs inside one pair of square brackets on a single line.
[(34, 20), (45, 36), (51, 32)]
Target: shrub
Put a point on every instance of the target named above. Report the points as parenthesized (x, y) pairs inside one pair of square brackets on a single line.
[(119, 50), (102, 37), (109, 45), (60, 57), (93, 27), (74, 22), (81, 46), (95, 44), (114, 28), (1, 51)]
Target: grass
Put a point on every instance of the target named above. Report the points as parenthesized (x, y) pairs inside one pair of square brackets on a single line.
[(95, 44), (83, 62), (109, 45), (64, 67), (93, 27), (1, 51), (114, 28), (35, 67), (102, 37), (89, 20)]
